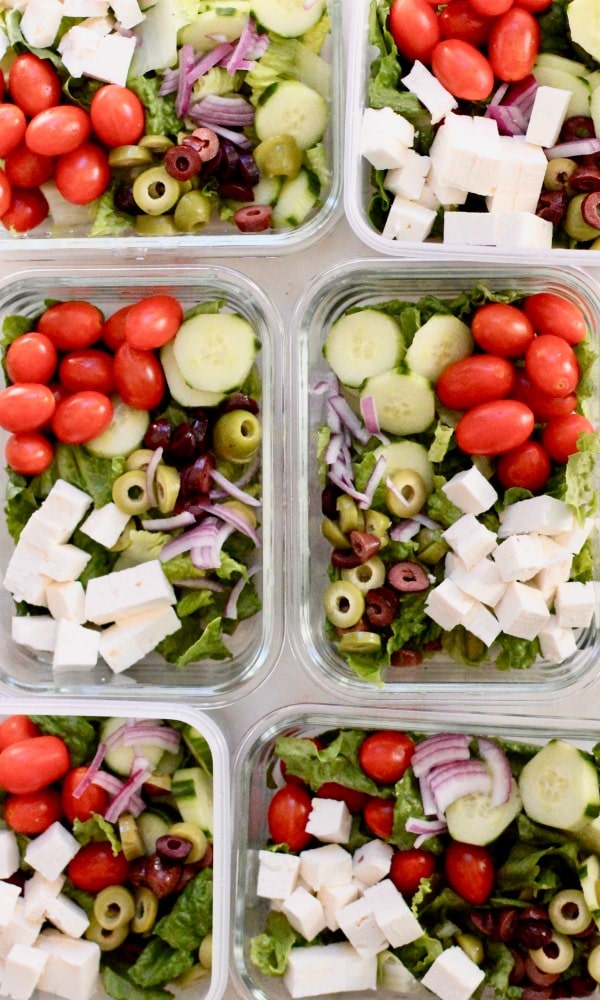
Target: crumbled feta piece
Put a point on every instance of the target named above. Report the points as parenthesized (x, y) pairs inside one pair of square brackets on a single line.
[(64, 507), (330, 865), (471, 228), (548, 579), (67, 916), (76, 646), (547, 115), (448, 605), (438, 101), (393, 914), (331, 968), (85, 8), (9, 895), (523, 229), (408, 180), (543, 514), (111, 59), (23, 967), (470, 540), (522, 611), (482, 623), (19, 930), (304, 913), (9, 856), (329, 821), (557, 644), (482, 582), (574, 604), (105, 524), (51, 851), (277, 874), (39, 892), (332, 898), (35, 631), (128, 641), (470, 491), (358, 923), (40, 22), (72, 968), (519, 557), (64, 562), (372, 861), (66, 599), (127, 12), (453, 975), (408, 221)]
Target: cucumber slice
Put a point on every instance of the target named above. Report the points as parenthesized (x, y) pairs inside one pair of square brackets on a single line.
[(193, 794), (124, 433), (411, 455), (298, 197), (595, 109), (474, 820), (289, 18), (151, 825), (548, 76), (361, 344), (181, 392), (589, 835), (405, 404), (291, 108), (589, 878), (267, 191), (215, 351), (119, 758), (584, 24), (437, 344), (224, 23), (559, 787), (552, 61)]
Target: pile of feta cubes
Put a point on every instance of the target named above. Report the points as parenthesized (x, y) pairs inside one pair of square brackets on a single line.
[(468, 155), (57, 958), (136, 604), (517, 580), (328, 887)]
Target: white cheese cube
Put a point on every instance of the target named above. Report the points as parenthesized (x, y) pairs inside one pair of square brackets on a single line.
[(482, 623), (329, 821), (470, 491), (40, 22), (531, 180), (111, 60), (9, 855), (9, 895), (72, 968), (126, 592), (393, 914), (29, 587), (471, 228), (386, 120), (101, 25), (548, 579), (448, 605), (65, 505), (19, 930), (470, 540), (543, 514), (556, 643), (547, 115), (35, 631), (445, 193), (483, 175), (482, 582), (453, 975), (510, 165), (40, 531), (574, 540), (523, 229), (332, 898), (326, 866), (76, 646), (105, 524), (39, 892), (357, 921), (574, 604), (428, 197), (51, 851), (408, 179), (519, 557), (66, 600), (277, 874), (128, 641), (65, 562), (22, 970), (78, 47), (85, 8), (438, 101), (127, 12), (522, 611), (372, 861), (383, 150), (67, 916), (304, 913), (408, 221), (331, 968)]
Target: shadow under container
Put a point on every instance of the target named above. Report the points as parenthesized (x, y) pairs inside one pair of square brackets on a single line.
[(255, 644), (361, 283)]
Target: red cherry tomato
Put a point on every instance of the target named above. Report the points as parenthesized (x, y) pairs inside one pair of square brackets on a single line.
[(25, 406), (415, 28), (82, 416), (535, 6), (152, 322), (502, 329), (15, 728), (409, 867), (459, 19), (117, 115), (33, 812), (71, 324), (379, 816), (385, 755), (527, 466), (513, 45), (493, 428), (58, 130), (544, 405), (82, 174), (34, 84), (473, 380), (28, 453), (139, 377), (354, 799), (550, 313), (462, 69), (26, 169), (31, 764), (491, 8), (560, 434), (28, 207), (31, 358), (93, 799), (88, 368), (470, 871), (113, 332), (95, 867), (12, 128), (2, 87), (5, 192), (551, 365), (287, 817)]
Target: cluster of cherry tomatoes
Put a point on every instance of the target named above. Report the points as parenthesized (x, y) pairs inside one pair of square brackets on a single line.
[(519, 394), (43, 139), (64, 373), (469, 43)]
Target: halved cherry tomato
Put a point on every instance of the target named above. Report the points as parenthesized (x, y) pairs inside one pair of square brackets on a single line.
[(88, 368), (409, 867), (379, 816), (550, 313), (12, 128), (33, 812), (544, 405), (473, 380), (385, 755), (493, 428), (31, 358), (502, 329), (15, 728), (459, 19), (25, 406), (113, 332), (153, 321), (139, 377), (527, 466), (513, 45), (415, 28), (5, 192), (551, 365), (287, 817), (353, 798), (82, 174), (28, 207), (560, 435), (93, 799), (470, 871), (29, 453), (117, 115), (33, 83), (82, 416), (95, 867), (31, 764), (27, 169), (58, 130), (71, 324), (462, 69)]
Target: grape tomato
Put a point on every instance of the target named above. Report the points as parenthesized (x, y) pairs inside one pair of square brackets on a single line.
[(139, 377), (82, 174), (460, 19), (33, 763), (462, 69), (32, 812), (58, 130), (117, 115), (82, 416), (495, 427), (513, 45), (415, 28), (385, 755), (551, 365), (470, 871), (96, 866), (12, 128), (33, 83), (152, 322), (72, 324), (479, 378), (28, 207), (25, 406), (88, 368), (560, 435), (28, 452), (32, 357), (15, 728), (502, 329), (551, 313), (287, 817)]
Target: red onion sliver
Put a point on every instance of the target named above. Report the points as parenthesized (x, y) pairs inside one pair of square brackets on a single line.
[(465, 778), (183, 520), (108, 781), (577, 147), (233, 490), (122, 799), (416, 824), (405, 530), (349, 419), (373, 482), (230, 609), (497, 95), (427, 522), (160, 736), (233, 517), (91, 772), (427, 799), (441, 755), (499, 768), (424, 748), (368, 411)]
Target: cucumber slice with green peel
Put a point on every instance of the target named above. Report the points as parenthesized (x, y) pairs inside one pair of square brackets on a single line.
[(548, 76), (551, 60), (559, 787), (405, 404), (583, 17), (401, 455), (589, 835), (193, 794), (267, 191), (151, 826), (215, 351), (291, 108), (297, 198), (224, 23), (473, 820), (589, 878), (124, 433), (437, 344), (289, 18), (361, 344), (181, 392), (119, 758)]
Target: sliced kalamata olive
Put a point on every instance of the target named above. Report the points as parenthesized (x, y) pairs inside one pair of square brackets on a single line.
[(230, 161), (173, 848), (517, 973), (161, 877), (253, 218), (581, 985), (158, 434), (577, 127), (381, 606), (248, 170), (344, 559), (195, 479), (124, 200), (533, 934), (585, 178), (364, 544), (537, 975), (182, 162), (534, 912), (182, 444), (212, 166), (329, 496), (239, 401), (207, 858), (406, 658), (506, 924), (552, 206), (201, 430), (186, 874), (483, 921), (235, 190), (137, 871), (407, 576), (206, 143), (590, 209)]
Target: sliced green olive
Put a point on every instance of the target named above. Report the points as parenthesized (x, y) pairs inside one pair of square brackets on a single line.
[(107, 939), (574, 224), (279, 156), (558, 173), (555, 956), (155, 225), (191, 975), (377, 523), (344, 604), (334, 534), (237, 436), (129, 492), (146, 909), (569, 912), (192, 212), (205, 951), (157, 143), (472, 947), (113, 907), (124, 538), (593, 963), (360, 643), (431, 546), (130, 837), (368, 575), (166, 487), (138, 459), (129, 156), (155, 191), (195, 834), (409, 493), (350, 518)]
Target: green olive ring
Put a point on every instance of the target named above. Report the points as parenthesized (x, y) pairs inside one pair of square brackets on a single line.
[(368, 575), (555, 956), (237, 436), (334, 534), (360, 643), (129, 156), (344, 604), (195, 835), (350, 518), (166, 487), (593, 963), (155, 225), (472, 947), (192, 212), (138, 459), (569, 912), (113, 907), (130, 493), (278, 156), (408, 495), (107, 939), (145, 910), (155, 191)]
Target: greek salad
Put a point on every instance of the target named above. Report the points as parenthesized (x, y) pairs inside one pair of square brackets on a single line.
[(162, 117), (134, 480), (422, 864), (482, 122), (106, 856), (456, 460)]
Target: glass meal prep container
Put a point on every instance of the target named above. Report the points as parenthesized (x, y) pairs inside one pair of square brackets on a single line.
[(370, 283), (71, 968), (559, 71), (216, 675), (311, 202)]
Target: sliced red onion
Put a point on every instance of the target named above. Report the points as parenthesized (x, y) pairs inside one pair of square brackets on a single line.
[(207, 555), (576, 147), (250, 46), (115, 736), (497, 96), (405, 530), (238, 138), (170, 80), (510, 121), (91, 771), (427, 522), (499, 768), (233, 517), (230, 609), (200, 583), (151, 468), (121, 802), (249, 473), (183, 520), (343, 485), (217, 110), (160, 736), (349, 419), (521, 94), (424, 828), (432, 743), (373, 482), (391, 485), (427, 763), (427, 799), (110, 782), (334, 421), (328, 385), (333, 449), (184, 542), (368, 411), (187, 59), (233, 490), (465, 778)]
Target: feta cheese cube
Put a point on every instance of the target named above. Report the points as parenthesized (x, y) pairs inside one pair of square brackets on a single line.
[(382, 149), (326, 866), (519, 557), (51, 851), (105, 524), (277, 874), (408, 179), (9, 895), (64, 562), (523, 229), (329, 821), (85, 8), (40, 22), (111, 60), (19, 930), (76, 646), (128, 641), (445, 193), (482, 623), (29, 587), (125, 592), (332, 898), (9, 855), (438, 101), (22, 970), (471, 228), (72, 968), (67, 916), (547, 115), (66, 599), (127, 12), (408, 221), (543, 514), (470, 540), (482, 582), (35, 631), (304, 913), (389, 121), (453, 975), (331, 968), (358, 923), (548, 579), (65, 505), (448, 605), (483, 175), (574, 604), (556, 643), (522, 611), (470, 491), (372, 861), (77, 48), (39, 892), (574, 540), (392, 913)]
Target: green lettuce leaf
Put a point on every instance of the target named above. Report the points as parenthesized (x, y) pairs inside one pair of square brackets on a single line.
[(143, 546), (118, 984), (96, 828), (108, 220), (79, 735), (336, 762), (159, 963), (190, 920), (269, 951), (581, 491), (184, 646)]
